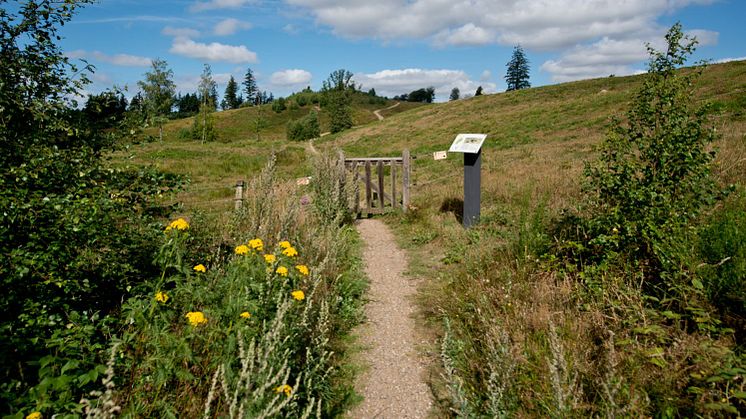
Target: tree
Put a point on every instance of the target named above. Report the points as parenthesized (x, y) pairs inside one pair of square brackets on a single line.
[(76, 233), (478, 92), (203, 127), (422, 95), (159, 91), (339, 80), (249, 87), (105, 110), (455, 94), (652, 179), (336, 91), (230, 99), (517, 75)]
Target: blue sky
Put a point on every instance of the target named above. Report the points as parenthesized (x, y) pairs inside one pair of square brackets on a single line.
[(394, 46)]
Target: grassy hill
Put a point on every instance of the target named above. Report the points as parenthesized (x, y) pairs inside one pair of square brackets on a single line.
[(521, 334)]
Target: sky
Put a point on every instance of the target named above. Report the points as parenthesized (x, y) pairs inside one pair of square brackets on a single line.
[(393, 46)]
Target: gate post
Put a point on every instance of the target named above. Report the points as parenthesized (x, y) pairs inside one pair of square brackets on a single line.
[(405, 180)]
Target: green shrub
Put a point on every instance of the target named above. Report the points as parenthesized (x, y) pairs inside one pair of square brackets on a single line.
[(304, 128), (279, 105)]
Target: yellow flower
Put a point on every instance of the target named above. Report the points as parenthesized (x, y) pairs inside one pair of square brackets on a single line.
[(284, 389), (245, 315), (196, 318), (270, 258), (290, 252), (615, 230), (282, 271), (257, 244), (200, 268), (37, 415), (180, 224), (298, 295), (303, 269), (242, 249), (161, 297), (285, 244)]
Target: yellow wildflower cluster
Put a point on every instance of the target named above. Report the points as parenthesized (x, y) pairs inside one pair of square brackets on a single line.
[(245, 315), (298, 295), (303, 269), (161, 297), (284, 389), (242, 249), (34, 415), (285, 244), (282, 271), (270, 258), (180, 224), (200, 268), (290, 252), (196, 318), (257, 244)]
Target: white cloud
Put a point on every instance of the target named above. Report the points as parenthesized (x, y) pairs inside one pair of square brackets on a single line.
[(486, 75), (230, 26), (704, 37), (292, 77), (218, 4), (396, 82), (729, 59), (213, 51), (124, 60), (468, 34), (180, 32), (290, 29), (536, 24), (603, 58)]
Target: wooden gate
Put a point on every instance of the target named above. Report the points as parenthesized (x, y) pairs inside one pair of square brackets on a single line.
[(393, 171)]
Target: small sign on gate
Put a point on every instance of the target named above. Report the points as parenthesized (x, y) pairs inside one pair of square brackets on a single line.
[(440, 155)]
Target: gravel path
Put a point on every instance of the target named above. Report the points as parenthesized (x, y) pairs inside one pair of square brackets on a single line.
[(393, 386), (377, 113)]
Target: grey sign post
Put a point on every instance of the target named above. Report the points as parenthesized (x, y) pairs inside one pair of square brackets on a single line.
[(471, 146)]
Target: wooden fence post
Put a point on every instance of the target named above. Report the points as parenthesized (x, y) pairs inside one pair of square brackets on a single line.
[(405, 176), (239, 194)]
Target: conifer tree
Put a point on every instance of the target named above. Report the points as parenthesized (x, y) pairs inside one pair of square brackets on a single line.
[(455, 94), (249, 87), (518, 69), (230, 98)]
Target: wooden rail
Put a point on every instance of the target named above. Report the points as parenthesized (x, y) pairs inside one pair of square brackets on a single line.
[(377, 199)]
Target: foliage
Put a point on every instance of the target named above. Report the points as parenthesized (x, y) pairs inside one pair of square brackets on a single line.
[(203, 125), (518, 70), (231, 99), (478, 92), (455, 94), (338, 107), (340, 80), (422, 95), (105, 110), (75, 232), (244, 330), (305, 128), (158, 92), (250, 89), (653, 177), (332, 191), (279, 105), (187, 105)]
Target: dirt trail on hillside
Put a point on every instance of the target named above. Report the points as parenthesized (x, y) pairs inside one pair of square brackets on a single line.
[(378, 111), (393, 386)]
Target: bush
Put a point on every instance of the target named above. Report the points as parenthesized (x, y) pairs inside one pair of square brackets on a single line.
[(279, 105), (304, 128)]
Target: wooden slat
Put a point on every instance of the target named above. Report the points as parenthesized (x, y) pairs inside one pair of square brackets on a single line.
[(373, 159), (405, 186), (381, 200), (355, 176), (368, 192), (394, 199)]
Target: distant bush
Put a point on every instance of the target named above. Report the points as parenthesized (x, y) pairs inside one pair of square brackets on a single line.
[(279, 105), (304, 128)]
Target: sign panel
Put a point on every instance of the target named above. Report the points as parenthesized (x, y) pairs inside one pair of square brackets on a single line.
[(467, 143), (440, 155)]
